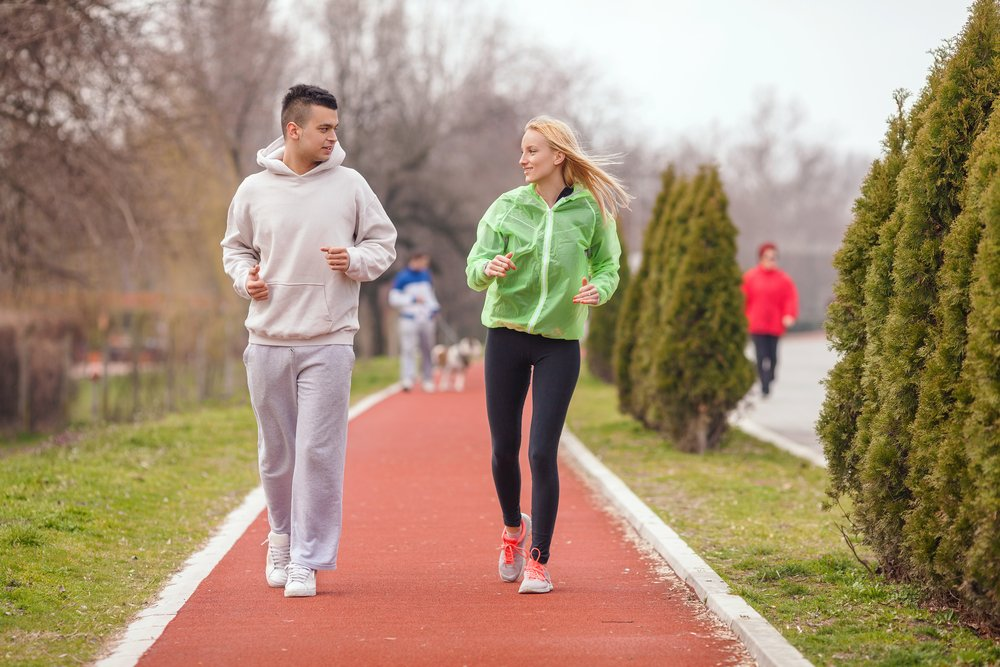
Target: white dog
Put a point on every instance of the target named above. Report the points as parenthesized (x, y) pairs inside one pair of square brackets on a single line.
[(452, 362)]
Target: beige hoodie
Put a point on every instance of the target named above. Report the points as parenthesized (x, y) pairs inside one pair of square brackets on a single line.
[(280, 220)]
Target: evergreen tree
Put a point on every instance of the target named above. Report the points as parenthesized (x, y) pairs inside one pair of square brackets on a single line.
[(929, 200), (936, 536), (699, 363), (604, 321), (636, 296), (687, 195), (981, 430), (877, 291), (845, 326)]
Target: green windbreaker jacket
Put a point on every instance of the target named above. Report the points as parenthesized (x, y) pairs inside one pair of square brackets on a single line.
[(554, 249)]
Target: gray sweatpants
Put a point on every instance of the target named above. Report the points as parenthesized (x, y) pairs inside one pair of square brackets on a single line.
[(300, 396), (416, 336)]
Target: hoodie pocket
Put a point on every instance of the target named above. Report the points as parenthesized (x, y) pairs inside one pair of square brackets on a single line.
[(294, 311)]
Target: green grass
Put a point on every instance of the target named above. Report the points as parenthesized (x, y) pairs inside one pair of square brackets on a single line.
[(756, 514), (90, 531)]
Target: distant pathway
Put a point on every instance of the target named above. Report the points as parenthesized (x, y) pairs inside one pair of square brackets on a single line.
[(797, 394), (417, 583)]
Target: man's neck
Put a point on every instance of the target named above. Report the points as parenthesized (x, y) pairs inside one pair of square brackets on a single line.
[(296, 163)]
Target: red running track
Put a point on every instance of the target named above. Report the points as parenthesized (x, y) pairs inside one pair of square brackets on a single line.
[(417, 582)]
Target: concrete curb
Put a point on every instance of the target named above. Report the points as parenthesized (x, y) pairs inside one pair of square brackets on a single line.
[(781, 442), (147, 627), (763, 641)]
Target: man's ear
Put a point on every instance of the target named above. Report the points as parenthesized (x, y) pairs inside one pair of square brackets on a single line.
[(292, 131)]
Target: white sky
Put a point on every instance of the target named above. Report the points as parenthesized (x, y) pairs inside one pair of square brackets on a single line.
[(684, 64)]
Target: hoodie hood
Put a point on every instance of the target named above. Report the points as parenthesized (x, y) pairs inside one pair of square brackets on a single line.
[(270, 158)]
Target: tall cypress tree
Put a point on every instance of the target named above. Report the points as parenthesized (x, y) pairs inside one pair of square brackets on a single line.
[(604, 321), (981, 430), (687, 196), (936, 536), (845, 325), (636, 295), (929, 200), (877, 292), (699, 366)]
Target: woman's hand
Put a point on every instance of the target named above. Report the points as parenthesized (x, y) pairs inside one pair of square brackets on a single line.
[(588, 295), (499, 266)]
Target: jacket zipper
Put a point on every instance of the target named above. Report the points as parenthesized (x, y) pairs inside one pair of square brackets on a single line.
[(546, 249)]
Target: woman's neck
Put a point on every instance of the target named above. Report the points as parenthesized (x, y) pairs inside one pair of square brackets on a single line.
[(550, 188)]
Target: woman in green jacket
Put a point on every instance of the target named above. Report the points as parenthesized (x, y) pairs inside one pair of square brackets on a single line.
[(545, 252)]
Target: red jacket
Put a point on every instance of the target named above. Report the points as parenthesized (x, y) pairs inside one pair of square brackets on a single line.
[(770, 296)]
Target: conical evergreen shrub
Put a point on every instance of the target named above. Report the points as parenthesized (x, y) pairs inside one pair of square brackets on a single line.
[(604, 321), (936, 536), (845, 325), (929, 200), (700, 368), (981, 430), (687, 195), (637, 296)]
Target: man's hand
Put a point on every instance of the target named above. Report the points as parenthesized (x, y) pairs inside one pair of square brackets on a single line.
[(337, 258), (499, 266), (256, 287), (588, 295)]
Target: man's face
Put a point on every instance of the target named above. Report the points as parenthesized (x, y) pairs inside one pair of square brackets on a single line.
[(769, 258), (314, 142)]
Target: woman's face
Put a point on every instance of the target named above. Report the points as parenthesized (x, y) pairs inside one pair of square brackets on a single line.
[(538, 160)]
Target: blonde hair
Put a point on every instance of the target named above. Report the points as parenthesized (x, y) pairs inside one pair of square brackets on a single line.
[(609, 192)]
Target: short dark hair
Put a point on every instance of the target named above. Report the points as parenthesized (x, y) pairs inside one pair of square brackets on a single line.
[(298, 99), (764, 247)]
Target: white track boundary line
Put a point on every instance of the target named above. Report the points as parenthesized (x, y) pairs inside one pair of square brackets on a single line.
[(152, 621), (763, 641)]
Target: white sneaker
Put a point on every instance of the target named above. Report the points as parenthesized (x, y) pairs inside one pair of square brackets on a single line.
[(512, 553), (428, 387), (536, 577), (301, 581), (278, 555)]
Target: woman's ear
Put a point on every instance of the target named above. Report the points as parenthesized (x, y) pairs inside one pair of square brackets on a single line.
[(560, 158)]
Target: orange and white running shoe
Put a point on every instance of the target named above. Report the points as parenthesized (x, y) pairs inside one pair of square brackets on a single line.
[(536, 576), (512, 553)]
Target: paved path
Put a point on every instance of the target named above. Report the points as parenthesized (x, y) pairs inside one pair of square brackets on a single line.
[(417, 583), (797, 395)]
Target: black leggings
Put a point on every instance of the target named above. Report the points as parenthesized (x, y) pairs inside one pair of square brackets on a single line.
[(766, 347), (510, 357)]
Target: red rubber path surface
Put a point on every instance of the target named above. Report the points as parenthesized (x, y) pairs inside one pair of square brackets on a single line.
[(417, 581)]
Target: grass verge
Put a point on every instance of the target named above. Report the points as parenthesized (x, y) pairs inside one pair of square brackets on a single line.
[(756, 515), (91, 531)]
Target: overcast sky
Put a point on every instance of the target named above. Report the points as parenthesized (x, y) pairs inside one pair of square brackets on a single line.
[(683, 64)]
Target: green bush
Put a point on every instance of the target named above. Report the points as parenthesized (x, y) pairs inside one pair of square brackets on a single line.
[(699, 370), (685, 197), (636, 298), (910, 421), (930, 186), (845, 325)]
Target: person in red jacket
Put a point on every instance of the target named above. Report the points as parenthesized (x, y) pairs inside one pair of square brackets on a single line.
[(772, 305)]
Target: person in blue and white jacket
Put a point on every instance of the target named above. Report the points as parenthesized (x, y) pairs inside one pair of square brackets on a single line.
[(412, 295)]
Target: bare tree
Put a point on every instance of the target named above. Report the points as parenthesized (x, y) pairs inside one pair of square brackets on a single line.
[(66, 77)]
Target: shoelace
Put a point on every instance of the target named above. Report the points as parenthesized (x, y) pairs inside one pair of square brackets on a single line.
[(509, 548), (535, 570), (280, 556), (298, 573)]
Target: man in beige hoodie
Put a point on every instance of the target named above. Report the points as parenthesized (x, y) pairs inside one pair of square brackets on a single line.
[(300, 238)]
